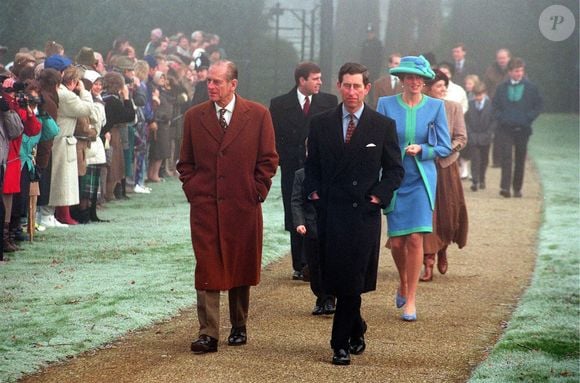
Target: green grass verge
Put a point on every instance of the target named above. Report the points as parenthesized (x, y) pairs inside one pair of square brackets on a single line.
[(541, 343), (77, 288)]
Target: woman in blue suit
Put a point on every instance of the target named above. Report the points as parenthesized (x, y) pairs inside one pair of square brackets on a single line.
[(423, 136)]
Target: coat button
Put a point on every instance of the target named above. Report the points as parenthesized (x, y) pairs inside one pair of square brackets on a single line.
[(354, 204), (354, 183)]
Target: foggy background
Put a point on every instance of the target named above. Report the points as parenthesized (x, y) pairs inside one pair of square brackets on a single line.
[(267, 41)]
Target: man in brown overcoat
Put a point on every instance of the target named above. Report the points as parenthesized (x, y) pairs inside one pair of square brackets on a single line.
[(228, 158)]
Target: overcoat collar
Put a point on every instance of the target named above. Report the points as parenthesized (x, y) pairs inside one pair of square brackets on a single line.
[(348, 154), (239, 121)]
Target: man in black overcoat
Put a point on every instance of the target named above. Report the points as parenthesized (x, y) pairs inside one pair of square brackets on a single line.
[(290, 115), (352, 170)]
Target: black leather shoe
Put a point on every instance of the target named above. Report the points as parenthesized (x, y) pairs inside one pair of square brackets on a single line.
[(318, 309), (505, 193), (329, 307), (204, 344), (517, 194), (357, 346), (238, 336), (341, 357), (482, 185), (297, 276)]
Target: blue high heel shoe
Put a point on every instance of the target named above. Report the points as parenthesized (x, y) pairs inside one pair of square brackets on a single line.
[(409, 317), (400, 300)]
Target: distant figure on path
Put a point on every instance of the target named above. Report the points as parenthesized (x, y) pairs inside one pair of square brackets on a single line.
[(517, 103)]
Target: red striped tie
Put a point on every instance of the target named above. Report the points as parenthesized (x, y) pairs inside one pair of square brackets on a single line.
[(350, 129)]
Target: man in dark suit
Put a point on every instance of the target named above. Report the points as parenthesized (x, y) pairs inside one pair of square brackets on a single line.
[(352, 170), (290, 114), (463, 67), (517, 103)]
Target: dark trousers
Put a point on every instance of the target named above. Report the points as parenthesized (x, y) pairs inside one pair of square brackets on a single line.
[(287, 183), (495, 152), (479, 162), (312, 254), (44, 185), (347, 322), (513, 150), (20, 201), (297, 250)]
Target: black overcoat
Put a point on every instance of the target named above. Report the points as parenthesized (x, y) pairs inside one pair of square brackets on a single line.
[(291, 127), (344, 176)]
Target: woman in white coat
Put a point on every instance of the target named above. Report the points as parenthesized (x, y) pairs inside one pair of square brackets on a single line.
[(74, 102)]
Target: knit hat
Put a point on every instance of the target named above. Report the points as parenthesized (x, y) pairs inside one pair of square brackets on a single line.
[(57, 62), (151, 61), (124, 63), (202, 62), (86, 56)]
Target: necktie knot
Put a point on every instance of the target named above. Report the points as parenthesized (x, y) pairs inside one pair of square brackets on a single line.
[(222, 119), (306, 106)]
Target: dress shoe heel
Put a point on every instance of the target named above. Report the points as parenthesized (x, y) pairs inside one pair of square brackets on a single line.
[(238, 336), (409, 317), (358, 345), (341, 357), (318, 308), (400, 300), (329, 306), (204, 344)]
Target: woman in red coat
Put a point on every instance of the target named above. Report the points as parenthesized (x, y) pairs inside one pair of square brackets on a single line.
[(12, 173)]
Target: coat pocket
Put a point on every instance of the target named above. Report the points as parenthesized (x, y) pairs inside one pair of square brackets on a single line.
[(71, 149)]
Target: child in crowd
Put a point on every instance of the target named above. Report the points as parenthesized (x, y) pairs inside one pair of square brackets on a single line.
[(480, 126), (470, 82), (304, 219)]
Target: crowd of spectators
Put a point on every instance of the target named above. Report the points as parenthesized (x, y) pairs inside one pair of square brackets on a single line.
[(93, 128)]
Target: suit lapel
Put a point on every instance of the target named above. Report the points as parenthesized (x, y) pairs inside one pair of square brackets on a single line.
[(293, 110), (238, 121), (210, 122), (352, 150)]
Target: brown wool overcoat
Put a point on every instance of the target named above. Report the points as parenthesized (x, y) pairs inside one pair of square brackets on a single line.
[(226, 176)]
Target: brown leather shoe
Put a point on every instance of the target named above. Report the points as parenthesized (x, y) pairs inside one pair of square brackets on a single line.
[(442, 261), (428, 262), (204, 344)]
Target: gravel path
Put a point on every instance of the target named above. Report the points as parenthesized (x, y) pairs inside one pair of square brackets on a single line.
[(461, 315)]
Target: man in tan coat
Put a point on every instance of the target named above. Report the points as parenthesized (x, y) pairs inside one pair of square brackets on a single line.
[(228, 158)]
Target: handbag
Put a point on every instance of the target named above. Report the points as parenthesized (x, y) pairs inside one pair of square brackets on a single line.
[(432, 134), (35, 174), (84, 130)]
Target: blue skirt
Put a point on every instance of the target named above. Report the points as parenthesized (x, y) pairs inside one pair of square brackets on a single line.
[(412, 210)]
